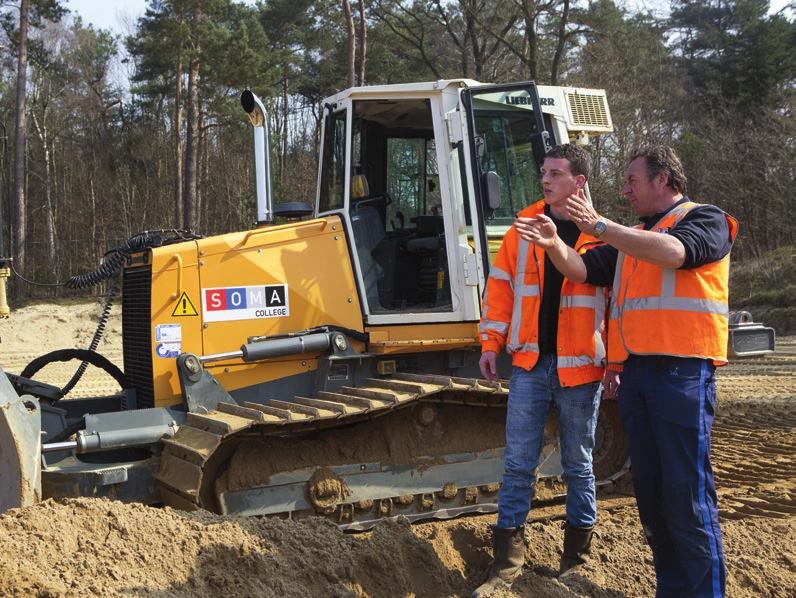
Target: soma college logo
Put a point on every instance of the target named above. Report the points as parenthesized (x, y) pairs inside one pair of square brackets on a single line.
[(245, 303)]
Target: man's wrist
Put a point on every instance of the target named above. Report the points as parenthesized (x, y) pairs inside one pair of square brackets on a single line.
[(559, 247), (599, 227)]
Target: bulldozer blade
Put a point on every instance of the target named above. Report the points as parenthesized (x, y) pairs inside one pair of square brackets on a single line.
[(20, 448), (748, 338)]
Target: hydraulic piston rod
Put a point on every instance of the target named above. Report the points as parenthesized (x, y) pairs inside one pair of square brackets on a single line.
[(275, 347)]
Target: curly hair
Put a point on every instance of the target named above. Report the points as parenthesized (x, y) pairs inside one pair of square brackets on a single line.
[(662, 158), (579, 159)]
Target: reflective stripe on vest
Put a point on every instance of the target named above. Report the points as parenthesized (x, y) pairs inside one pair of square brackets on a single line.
[(521, 290), (597, 302)]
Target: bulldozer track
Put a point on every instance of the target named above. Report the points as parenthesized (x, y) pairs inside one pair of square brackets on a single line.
[(188, 458), (193, 472)]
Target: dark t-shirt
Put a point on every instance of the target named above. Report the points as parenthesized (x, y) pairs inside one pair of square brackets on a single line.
[(703, 232), (551, 288)]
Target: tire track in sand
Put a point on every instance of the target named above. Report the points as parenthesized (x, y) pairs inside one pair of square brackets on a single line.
[(754, 445)]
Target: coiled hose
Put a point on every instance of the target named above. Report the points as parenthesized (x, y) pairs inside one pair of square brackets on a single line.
[(110, 269)]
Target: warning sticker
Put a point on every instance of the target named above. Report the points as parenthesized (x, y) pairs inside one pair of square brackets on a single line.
[(184, 307), (245, 303)]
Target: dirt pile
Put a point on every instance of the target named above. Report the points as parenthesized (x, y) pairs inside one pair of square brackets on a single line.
[(43, 327), (36, 329), (100, 547)]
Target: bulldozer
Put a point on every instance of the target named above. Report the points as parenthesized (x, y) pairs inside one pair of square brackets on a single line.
[(324, 362)]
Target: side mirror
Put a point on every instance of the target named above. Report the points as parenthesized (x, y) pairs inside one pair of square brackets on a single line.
[(490, 183), (540, 142)]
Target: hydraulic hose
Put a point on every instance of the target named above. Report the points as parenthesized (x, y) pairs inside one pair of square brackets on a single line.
[(109, 269)]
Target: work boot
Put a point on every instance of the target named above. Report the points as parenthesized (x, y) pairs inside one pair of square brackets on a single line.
[(577, 545), (508, 546)]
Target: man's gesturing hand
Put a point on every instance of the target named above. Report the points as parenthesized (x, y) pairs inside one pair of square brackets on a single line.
[(582, 212), (540, 230), (488, 365)]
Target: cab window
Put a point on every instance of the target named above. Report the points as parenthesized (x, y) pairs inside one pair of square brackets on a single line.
[(395, 207)]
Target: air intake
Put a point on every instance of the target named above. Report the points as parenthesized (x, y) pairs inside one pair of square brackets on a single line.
[(136, 333), (589, 112)]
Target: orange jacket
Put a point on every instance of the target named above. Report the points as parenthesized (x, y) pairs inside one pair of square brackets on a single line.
[(511, 310), (663, 311)]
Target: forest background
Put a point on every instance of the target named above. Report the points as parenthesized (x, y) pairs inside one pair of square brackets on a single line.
[(88, 161)]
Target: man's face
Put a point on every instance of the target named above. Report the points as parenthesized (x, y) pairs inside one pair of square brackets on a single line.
[(558, 182), (639, 190)]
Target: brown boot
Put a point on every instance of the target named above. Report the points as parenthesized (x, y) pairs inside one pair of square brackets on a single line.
[(577, 545), (508, 546)]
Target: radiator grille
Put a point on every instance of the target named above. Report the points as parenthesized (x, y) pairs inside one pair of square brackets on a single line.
[(137, 333), (588, 110)]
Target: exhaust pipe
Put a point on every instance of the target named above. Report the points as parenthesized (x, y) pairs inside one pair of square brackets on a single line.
[(262, 155)]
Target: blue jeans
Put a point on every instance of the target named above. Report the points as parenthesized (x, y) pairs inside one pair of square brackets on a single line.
[(667, 406), (530, 395)]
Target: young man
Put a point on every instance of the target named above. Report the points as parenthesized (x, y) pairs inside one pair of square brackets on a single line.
[(553, 330), (667, 331)]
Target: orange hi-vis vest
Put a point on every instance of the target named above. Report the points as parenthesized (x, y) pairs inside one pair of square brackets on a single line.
[(663, 311), (511, 305)]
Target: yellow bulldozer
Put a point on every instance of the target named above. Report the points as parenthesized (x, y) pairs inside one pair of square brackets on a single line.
[(326, 361)]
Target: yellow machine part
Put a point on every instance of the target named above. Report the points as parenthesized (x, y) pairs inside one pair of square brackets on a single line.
[(420, 338), (210, 288)]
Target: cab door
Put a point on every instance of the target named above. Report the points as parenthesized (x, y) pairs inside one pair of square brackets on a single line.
[(506, 138), (399, 202)]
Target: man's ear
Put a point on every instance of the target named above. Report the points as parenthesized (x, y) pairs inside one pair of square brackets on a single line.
[(580, 181), (662, 178)]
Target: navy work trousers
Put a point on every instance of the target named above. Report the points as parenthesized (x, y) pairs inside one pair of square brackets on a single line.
[(667, 406)]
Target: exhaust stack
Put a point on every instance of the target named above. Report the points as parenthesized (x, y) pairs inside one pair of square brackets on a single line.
[(262, 155)]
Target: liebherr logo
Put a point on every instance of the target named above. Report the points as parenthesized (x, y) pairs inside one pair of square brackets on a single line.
[(526, 101)]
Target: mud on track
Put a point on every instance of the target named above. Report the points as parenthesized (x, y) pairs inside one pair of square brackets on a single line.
[(104, 548)]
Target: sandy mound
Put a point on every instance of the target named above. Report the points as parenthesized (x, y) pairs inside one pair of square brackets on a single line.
[(39, 328), (107, 548)]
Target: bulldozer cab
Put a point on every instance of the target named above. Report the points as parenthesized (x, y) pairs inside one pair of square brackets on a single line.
[(428, 178)]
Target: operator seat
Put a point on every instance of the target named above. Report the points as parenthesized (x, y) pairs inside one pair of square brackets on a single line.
[(368, 230)]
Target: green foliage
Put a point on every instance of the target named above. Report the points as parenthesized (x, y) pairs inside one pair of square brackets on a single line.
[(735, 53), (766, 287)]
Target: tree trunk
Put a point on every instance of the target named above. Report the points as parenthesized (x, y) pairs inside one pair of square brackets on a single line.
[(201, 174), (20, 207), (192, 135), (349, 21), (560, 44), (531, 41), (285, 127), (178, 147), (363, 42), (49, 207)]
